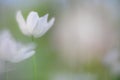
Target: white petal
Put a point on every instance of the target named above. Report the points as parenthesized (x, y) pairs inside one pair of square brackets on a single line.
[(7, 45), (22, 57), (49, 25), (13, 51), (22, 23), (40, 26), (23, 53), (51, 22), (44, 19), (43, 27), (32, 21)]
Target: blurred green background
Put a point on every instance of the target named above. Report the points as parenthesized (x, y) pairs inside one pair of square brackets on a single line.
[(47, 59)]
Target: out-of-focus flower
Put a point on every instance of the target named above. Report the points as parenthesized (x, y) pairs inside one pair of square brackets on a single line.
[(111, 60), (112, 57), (34, 25), (13, 51)]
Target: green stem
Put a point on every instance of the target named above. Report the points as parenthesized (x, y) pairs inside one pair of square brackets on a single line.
[(34, 65), (35, 68)]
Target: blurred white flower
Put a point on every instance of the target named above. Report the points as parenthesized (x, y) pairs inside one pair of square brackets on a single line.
[(111, 60), (34, 25), (112, 57), (13, 51)]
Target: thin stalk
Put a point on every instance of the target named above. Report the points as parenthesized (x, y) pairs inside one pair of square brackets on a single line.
[(34, 65), (35, 68)]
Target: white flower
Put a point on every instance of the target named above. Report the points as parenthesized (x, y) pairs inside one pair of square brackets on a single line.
[(13, 51), (34, 25), (111, 60), (112, 57)]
